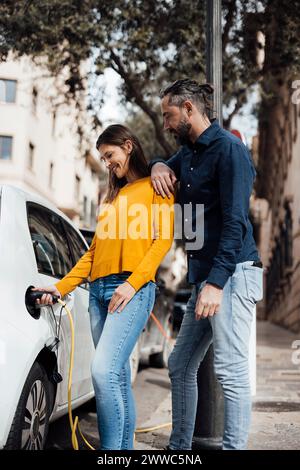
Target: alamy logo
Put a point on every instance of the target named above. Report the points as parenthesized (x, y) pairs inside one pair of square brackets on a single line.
[(296, 353), (296, 93), (121, 220)]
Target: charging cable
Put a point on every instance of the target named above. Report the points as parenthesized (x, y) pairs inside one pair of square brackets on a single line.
[(30, 299)]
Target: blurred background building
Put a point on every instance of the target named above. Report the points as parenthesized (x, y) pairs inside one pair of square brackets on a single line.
[(41, 149), (275, 208)]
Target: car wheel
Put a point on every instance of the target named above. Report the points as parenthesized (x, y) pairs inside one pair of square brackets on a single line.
[(160, 360), (30, 425)]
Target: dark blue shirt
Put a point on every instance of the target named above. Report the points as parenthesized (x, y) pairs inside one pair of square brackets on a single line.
[(217, 171)]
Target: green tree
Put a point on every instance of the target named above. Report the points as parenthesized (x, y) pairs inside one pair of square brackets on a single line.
[(143, 128), (150, 44)]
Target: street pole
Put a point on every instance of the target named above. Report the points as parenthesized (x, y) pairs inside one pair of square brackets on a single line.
[(214, 52), (210, 408)]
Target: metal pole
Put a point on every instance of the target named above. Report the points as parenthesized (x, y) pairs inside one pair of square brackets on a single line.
[(210, 408), (214, 52)]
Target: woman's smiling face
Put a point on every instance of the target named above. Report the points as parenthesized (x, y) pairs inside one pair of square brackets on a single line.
[(116, 158)]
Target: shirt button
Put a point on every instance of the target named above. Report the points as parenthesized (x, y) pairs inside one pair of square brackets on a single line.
[(195, 151), (192, 168), (188, 185), (191, 256)]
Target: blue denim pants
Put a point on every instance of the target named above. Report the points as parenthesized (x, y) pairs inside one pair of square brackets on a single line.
[(229, 330), (115, 336)]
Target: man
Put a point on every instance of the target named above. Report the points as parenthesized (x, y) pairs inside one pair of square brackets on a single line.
[(215, 169)]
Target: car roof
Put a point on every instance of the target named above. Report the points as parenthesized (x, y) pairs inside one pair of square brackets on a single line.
[(33, 197)]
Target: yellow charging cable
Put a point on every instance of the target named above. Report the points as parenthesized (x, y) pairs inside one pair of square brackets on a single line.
[(74, 423)]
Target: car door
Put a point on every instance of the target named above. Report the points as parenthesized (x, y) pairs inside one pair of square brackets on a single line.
[(54, 260), (81, 305)]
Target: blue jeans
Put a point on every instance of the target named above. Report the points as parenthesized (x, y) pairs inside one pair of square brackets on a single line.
[(229, 330), (115, 336)]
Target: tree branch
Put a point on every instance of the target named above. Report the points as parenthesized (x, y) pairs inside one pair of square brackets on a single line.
[(133, 94), (228, 24), (240, 101)]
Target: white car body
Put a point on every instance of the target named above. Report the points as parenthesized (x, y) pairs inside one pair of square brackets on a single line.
[(22, 337)]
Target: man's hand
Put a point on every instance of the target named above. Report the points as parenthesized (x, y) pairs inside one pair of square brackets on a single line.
[(208, 301), (163, 179), (123, 293)]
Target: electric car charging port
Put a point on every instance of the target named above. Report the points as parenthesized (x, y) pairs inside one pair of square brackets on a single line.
[(30, 301)]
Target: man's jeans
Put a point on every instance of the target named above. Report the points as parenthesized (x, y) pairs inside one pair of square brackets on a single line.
[(229, 330), (115, 336)]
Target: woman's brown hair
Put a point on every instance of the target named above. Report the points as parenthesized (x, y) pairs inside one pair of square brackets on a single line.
[(117, 134)]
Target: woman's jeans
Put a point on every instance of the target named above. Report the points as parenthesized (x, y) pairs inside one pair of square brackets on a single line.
[(229, 330), (115, 336)]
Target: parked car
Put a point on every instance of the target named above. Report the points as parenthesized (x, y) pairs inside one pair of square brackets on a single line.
[(180, 302), (38, 246), (156, 345), (88, 234)]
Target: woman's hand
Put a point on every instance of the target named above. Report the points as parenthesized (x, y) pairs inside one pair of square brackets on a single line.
[(46, 298), (122, 295)]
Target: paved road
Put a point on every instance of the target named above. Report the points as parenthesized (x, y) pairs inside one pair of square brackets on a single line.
[(276, 410), (150, 389)]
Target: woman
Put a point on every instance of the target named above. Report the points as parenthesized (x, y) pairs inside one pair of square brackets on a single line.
[(121, 264)]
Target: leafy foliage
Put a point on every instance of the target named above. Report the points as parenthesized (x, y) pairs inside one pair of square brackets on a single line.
[(152, 43)]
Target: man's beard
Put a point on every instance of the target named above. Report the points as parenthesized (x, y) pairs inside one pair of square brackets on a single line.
[(182, 135)]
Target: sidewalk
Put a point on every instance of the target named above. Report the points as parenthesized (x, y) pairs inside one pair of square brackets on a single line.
[(276, 407), (276, 410)]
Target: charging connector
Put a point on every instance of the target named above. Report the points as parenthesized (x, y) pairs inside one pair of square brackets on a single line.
[(31, 296)]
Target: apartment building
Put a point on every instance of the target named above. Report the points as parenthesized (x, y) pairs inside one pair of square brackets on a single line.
[(40, 148)]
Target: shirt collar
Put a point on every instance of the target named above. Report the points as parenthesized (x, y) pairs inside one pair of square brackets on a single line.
[(208, 135)]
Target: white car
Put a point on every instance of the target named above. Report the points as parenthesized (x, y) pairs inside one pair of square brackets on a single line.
[(38, 245)]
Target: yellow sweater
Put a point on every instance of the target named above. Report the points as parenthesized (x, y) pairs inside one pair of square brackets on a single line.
[(133, 233)]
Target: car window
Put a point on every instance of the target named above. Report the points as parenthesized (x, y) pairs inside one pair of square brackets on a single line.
[(77, 244), (88, 235), (182, 296), (49, 241), (78, 247)]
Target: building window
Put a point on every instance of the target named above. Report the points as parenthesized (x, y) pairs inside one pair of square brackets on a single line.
[(93, 215), (8, 90), (84, 209), (5, 147), (31, 156), (53, 123), (51, 175), (282, 257), (77, 188), (288, 236), (34, 99)]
